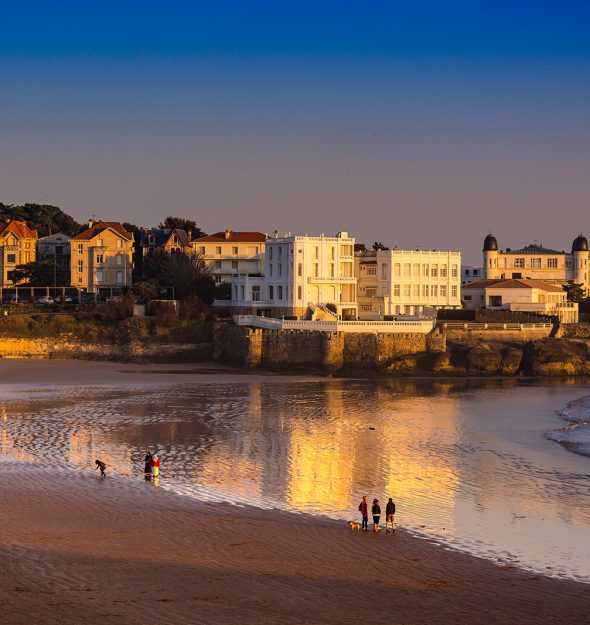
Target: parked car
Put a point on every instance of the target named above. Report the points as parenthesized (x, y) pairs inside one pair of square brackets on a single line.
[(9, 298), (45, 299), (63, 300), (86, 298)]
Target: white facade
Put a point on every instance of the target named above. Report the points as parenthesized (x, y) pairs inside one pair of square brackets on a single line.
[(406, 282), (520, 295), (469, 273), (301, 273), (55, 247), (230, 253)]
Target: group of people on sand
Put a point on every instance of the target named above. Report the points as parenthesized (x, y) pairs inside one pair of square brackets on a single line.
[(376, 513), (152, 465)]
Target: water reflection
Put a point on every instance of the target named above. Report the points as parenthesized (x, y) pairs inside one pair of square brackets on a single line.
[(466, 462)]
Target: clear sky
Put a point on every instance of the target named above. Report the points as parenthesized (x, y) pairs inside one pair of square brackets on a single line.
[(421, 123)]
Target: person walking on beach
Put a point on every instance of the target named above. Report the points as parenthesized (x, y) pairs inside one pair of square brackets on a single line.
[(102, 466), (155, 466), (364, 510), (376, 512), (389, 512), (148, 463)]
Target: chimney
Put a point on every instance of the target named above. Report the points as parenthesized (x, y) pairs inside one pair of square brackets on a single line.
[(227, 234), (90, 223), (190, 235), (276, 234)]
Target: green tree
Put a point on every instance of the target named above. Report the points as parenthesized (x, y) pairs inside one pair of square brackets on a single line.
[(575, 292), (223, 290), (182, 224), (44, 218), (379, 246), (41, 273)]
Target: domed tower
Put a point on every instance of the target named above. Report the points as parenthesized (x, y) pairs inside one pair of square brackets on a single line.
[(490, 256), (580, 260)]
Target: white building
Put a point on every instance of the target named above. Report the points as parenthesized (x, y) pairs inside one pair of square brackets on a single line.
[(520, 295), (469, 273), (406, 282), (231, 253), (55, 248), (301, 273), (535, 262)]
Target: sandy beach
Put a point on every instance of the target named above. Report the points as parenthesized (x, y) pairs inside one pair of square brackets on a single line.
[(78, 549)]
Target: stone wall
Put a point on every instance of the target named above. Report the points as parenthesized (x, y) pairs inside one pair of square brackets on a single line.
[(500, 335), (328, 351)]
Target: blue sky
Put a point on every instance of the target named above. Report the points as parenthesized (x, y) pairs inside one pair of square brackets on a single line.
[(415, 123)]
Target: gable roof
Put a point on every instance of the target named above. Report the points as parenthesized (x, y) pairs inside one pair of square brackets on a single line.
[(162, 236), (101, 226), (18, 228), (522, 283), (484, 283), (229, 236)]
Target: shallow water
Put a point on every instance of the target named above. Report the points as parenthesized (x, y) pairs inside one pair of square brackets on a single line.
[(468, 464)]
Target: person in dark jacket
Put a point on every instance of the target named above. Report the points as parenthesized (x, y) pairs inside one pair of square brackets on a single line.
[(148, 463), (389, 518), (364, 510), (376, 512), (102, 466)]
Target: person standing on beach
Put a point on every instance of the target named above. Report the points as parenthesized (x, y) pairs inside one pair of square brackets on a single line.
[(376, 512), (389, 512), (364, 510), (102, 466), (155, 466), (148, 463)]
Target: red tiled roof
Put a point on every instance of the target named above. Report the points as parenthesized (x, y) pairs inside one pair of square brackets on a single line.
[(101, 226), (233, 237), (19, 229), (520, 283), (480, 284)]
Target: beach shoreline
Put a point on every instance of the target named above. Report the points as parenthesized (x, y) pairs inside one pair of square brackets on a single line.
[(80, 549)]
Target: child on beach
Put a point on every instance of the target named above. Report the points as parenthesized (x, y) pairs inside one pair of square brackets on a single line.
[(376, 512), (364, 510), (102, 466), (156, 466), (389, 515)]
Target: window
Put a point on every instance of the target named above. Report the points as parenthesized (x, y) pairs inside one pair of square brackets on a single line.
[(79, 280), (398, 309), (99, 259), (119, 277), (271, 292), (120, 243), (495, 300), (475, 272), (299, 269), (332, 252), (406, 290), (454, 290), (568, 263), (552, 263), (396, 270), (256, 293), (217, 264), (242, 291), (536, 263), (332, 270), (270, 270), (316, 252), (396, 290), (433, 290), (218, 250), (234, 264), (80, 248), (299, 292), (270, 253), (443, 290), (434, 271), (234, 250), (59, 250), (316, 270), (11, 258), (119, 259), (443, 271), (99, 276), (416, 270), (424, 290), (454, 271), (280, 267), (280, 291), (467, 272), (519, 262), (467, 298), (99, 242), (280, 252), (371, 291), (202, 249), (406, 270), (416, 290), (80, 266), (372, 270), (425, 270)]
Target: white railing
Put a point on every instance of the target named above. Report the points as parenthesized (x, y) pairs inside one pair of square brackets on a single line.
[(458, 325), (372, 327)]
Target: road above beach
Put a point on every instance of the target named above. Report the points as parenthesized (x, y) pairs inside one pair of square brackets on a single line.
[(78, 549)]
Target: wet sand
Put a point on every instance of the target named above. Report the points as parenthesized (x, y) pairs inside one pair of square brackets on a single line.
[(77, 549)]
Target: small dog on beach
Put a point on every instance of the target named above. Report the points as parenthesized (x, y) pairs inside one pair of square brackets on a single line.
[(354, 526)]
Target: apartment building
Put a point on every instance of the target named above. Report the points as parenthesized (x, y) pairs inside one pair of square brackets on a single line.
[(469, 273), (406, 282), (536, 262), (300, 274), (17, 247), (102, 257), (55, 248), (231, 253)]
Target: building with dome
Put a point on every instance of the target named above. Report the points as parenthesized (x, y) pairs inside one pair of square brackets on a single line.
[(537, 262)]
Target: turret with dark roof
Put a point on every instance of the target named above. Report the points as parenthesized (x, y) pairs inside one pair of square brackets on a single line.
[(490, 244), (580, 244)]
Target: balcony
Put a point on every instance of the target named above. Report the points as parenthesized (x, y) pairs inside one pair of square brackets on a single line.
[(332, 280)]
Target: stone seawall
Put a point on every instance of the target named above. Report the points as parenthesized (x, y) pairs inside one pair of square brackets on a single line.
[(66, 347), (500, 335), (327, 351)]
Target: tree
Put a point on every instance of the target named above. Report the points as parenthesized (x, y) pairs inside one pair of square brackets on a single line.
[(223, 290), (379, 246), (44, 218), (360, 247), (575, 292), (41, 273), (187, 274), (182, 224)]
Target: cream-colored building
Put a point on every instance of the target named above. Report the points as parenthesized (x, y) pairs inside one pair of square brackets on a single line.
[(520, 295), (301, 273), (231, 253), (17, 247), (406, 282), (102, 257), (535, 262)]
